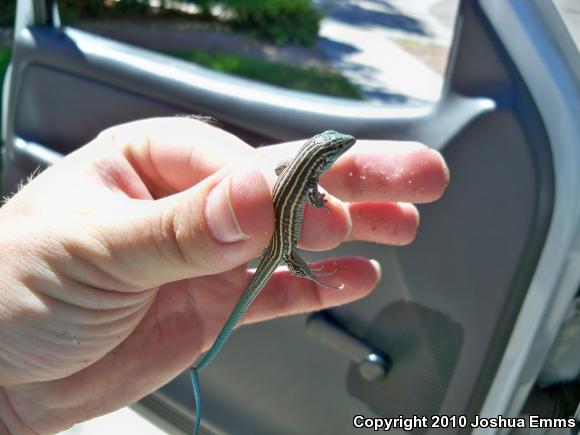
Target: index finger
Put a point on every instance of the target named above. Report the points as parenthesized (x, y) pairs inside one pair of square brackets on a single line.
[(172, 154)]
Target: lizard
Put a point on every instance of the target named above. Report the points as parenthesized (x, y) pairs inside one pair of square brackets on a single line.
[(297, 183)]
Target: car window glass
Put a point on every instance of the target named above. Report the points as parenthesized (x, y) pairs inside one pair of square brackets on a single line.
[(380, 51)]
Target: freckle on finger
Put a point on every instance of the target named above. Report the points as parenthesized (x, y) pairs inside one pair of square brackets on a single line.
[(390, 223)]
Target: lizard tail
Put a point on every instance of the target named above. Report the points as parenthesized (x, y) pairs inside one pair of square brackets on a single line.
[(196, 399)]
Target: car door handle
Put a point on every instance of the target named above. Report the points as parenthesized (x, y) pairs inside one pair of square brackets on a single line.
[(373, 364)]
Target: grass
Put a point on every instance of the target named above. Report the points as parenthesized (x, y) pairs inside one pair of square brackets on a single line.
[(276, 73)]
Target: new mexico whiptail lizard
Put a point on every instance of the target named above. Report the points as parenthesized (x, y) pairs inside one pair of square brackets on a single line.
[(297, 183)]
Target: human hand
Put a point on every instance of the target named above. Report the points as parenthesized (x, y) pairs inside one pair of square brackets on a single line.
[(121, 262)]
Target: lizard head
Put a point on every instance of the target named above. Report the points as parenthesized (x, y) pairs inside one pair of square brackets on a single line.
[(332, 145)]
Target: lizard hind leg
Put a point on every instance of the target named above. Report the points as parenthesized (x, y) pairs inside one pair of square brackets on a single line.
[(300, 268), (318, 271), (335, 287)]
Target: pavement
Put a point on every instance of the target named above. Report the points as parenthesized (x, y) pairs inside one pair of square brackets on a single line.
[(570, 12), (364, 40), (396, 50)]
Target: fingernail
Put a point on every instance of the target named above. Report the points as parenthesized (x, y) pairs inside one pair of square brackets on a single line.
[(445, 168), (219, 212), (348, 221), (377, 267)]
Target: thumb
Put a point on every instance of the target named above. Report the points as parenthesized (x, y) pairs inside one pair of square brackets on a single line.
[(214, 226)]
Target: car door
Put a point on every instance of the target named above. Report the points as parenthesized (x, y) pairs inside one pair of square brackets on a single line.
[(465, 315)]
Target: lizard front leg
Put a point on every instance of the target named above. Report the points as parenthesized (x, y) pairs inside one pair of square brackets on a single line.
[(315, 198), (280, 168)]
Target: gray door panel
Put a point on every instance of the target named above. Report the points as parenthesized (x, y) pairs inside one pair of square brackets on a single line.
[(447, 304)]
